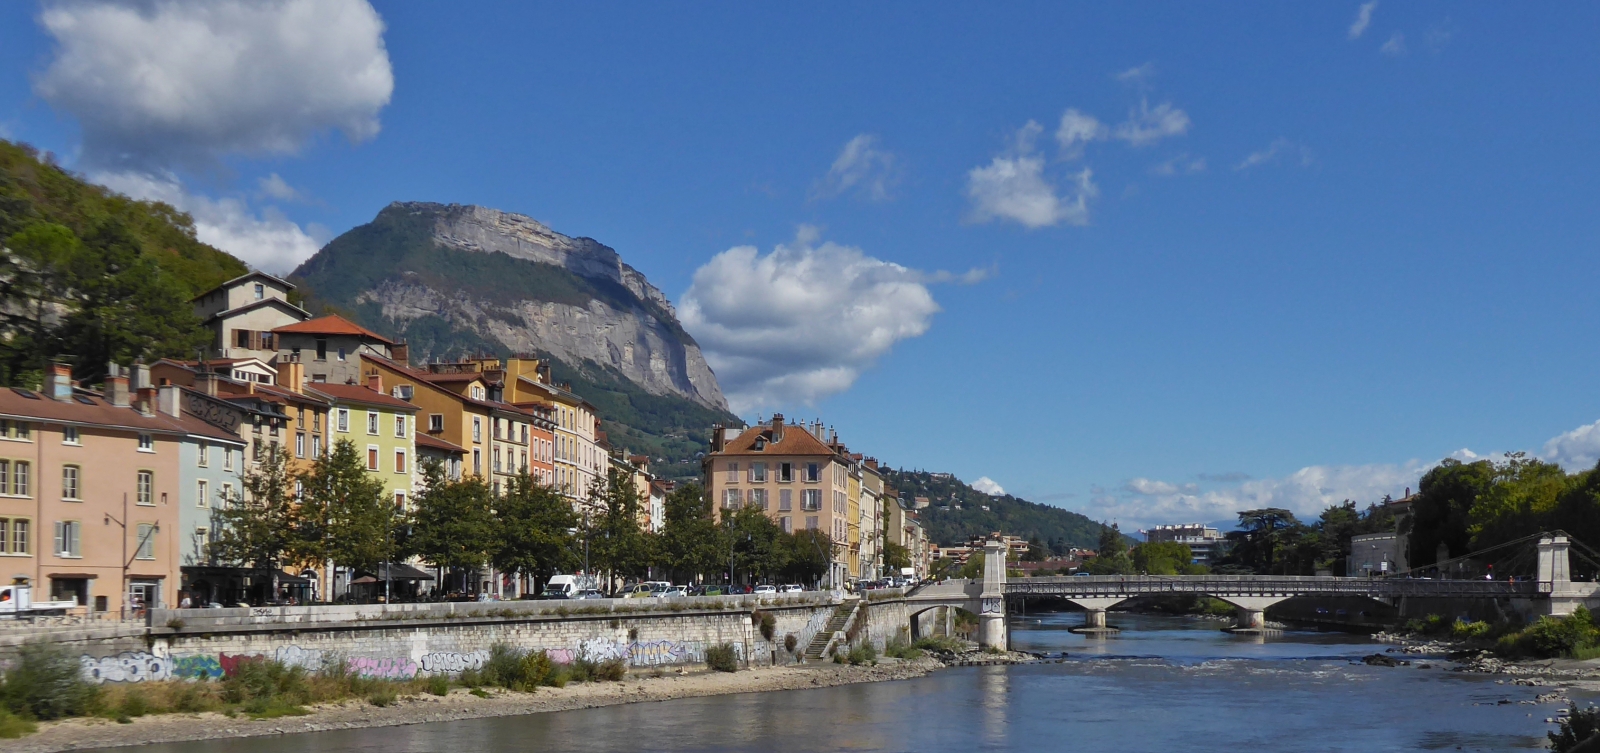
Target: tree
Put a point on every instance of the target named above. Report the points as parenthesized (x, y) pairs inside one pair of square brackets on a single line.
[(755, 540), (452, 525), (345, 516), (1111, 556), (618, 545), (1441, 511), (691, 542), (534, 527), (1519, 502), (895, 557), (254, 528), (1164, 558), (809, 555)]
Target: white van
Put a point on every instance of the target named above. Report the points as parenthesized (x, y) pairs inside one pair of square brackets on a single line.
[(567, 586)]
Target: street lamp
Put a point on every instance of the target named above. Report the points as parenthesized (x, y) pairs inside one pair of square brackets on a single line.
[(126, 560)]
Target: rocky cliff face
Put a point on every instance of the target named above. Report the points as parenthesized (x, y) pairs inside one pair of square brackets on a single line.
[(573, 298)]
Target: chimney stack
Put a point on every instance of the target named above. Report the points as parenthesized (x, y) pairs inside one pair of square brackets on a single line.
[(777, 428), (205, 380), (146, 402), (375, 382), (168, 400), (117, 389), (58, 382), (291, 374), (141, 376), (400, 353)]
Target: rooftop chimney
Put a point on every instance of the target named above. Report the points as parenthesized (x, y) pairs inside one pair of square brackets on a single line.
[(291, 374), (59, 381), (117, 390), (375, 382), (146, 402), (400, 353), (168, 400), (141, 376), (205, 380), (777, 428)]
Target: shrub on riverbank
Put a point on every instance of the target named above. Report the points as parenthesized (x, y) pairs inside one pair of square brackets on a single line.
[(940, 643), (722, 658), (1551, 637), (46, 682), (899, 649), (12, 726), (862, 654), (1580, 725)]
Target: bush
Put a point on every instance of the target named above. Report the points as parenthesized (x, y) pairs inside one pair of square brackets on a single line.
[(611, 670), (512, 668), (1580, 725), (790, 642), (941, 644), (13, 726), (580, 670), (899, 649), (382, 697), (1469, 630), (46, 683), (863, 654), (722, 658), (439, 685), (766, 621), (1553, 636)]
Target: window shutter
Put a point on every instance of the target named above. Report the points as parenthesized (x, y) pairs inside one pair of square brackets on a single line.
[(59, 533)]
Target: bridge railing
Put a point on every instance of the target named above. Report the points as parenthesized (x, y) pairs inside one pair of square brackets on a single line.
[(1261, 585)]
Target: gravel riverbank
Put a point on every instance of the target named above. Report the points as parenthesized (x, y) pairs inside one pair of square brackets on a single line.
[(79, 734)]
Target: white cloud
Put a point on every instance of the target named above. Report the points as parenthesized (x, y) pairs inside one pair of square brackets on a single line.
[(988, 486), (1363, 19), (180, 83), (1396, 45), (862, 167), (1147, 124), (1576, 450), (275, 187), (1137, 74), (802, 323), (1182, 164), (1013, 187), (268, 241), (1076, 130), (1276, 152)]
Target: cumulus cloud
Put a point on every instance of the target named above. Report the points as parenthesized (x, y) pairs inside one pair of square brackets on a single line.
[(988, 486), (861, 167), (180, 83), (1276, 152), (1013, 187), (1363, 19), (1147, 125), (267, 241), (1575, 450), (1076, 130), (1396, 46), (275, 187), (802, 323)]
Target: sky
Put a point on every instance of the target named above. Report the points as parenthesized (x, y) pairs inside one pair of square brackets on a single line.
[(1156, 264)]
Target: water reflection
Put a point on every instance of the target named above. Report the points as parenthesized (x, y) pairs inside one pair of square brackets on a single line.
[(995, 684)]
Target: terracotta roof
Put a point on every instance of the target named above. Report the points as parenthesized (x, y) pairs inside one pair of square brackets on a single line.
[(332, 324), (428, 377), (355, 393), (795, 441), (434, 443), (96, 411)]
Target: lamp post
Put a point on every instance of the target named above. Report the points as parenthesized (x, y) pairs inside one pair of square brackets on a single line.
[(126, 560)]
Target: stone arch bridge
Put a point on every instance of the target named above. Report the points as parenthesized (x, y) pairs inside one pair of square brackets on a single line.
[(1552, 592)]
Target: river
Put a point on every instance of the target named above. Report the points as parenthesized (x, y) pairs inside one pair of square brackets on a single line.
[(1166, 684)]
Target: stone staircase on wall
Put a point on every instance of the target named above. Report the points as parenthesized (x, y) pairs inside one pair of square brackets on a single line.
[(825, 637)]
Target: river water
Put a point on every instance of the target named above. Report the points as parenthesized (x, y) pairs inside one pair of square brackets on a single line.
[(1166, 684)]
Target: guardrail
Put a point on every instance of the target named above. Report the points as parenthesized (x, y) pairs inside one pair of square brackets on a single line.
[(1262, 585)]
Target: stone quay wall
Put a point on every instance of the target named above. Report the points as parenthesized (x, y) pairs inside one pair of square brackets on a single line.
[(409, 640)]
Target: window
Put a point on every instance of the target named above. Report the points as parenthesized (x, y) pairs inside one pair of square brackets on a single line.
[(477, 428), (69, 534), (785, 500), (316, 447), (261, 291), (400, 426), (146, 443), (812, 499), (227, 459), (813, 473), (372, 457), (202, 496), (733, 473), (758, 472), (498, 424), (758, 498), (203, 454), (524, 433), (731, 498), (435, 422), (497, 460), (69, 435), (14, 535), (19, 478), (372, 422), (18, 430), (785, 472), (477, 392), (316, 420), (811, 522), (145, 488), (477, 462), (341, 354), (787, 526), (227, 492), (524, 461), (344, 420), (146, 540), (399, 461), (69, 482), (299, 444), (400, 499)]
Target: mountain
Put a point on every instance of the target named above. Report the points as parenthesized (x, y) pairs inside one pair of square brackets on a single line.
[(957, 512), (453, 280)]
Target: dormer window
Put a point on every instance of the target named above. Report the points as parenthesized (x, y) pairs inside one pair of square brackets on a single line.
[(261, 291), (760, 445)]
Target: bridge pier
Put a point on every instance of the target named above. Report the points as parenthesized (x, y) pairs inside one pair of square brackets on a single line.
[(1094, 618), (992, 620), (1252, 614)]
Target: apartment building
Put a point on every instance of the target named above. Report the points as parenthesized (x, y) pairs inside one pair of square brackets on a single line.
[(1205, 543), (331, 347), (263, 415), (793, 472), (578, 459), (242, 314), (870, 519), (382, 429), (91, 489)]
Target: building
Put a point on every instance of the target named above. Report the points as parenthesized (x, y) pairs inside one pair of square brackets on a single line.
[(902, 528), (1206, 544), (796, 473), (576, 456), (871, 520), (1377, 554), (381, 427), (92, 487), (242, 314), (331, 347)]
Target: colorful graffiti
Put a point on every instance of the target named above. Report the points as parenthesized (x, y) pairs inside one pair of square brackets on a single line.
[(129, 666), (196, 666), (452, 662), (388, 669)]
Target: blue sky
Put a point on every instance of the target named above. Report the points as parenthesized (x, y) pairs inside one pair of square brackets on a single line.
[(1277, 255)]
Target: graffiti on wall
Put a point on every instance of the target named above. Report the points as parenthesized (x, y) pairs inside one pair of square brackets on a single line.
[(197, 666), (128, 666), (452, 662)]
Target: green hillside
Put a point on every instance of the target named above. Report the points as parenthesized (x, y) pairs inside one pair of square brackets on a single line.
[(947, 525), (398, 246), (90, 276)]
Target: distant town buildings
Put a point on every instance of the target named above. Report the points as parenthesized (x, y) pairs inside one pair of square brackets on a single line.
[(1206, 544)]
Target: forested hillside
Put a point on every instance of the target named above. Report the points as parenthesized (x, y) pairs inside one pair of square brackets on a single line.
[(90, 275), (957, 512)]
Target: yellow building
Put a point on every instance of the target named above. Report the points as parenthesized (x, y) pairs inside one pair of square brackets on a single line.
[(381, 427)]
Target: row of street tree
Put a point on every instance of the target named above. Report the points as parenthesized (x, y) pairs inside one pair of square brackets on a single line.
[(336, 513)]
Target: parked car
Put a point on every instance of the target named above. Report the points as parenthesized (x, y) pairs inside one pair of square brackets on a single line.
[(792, 588), (675, 591), (766, 589), (589, 593)]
